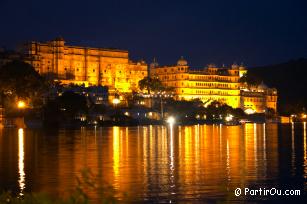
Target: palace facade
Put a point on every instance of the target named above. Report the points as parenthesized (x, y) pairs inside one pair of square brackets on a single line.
[(112, 68), (256, 99), (215, 84), (85, 65)]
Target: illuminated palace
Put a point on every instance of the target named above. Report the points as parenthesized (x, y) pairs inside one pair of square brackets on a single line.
[(112, 68), (215, 84), (85, 65)]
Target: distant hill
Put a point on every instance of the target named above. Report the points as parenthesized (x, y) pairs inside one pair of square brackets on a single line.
[(290, 79)]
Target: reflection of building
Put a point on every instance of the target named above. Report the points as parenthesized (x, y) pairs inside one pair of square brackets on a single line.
[(214, 84), (138, 161), (85, 65), (1, 116)]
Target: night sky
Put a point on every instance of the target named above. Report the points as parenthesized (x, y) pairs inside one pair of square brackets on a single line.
[(255, 32)]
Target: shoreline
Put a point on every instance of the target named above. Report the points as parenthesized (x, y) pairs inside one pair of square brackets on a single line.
[(39, 124)]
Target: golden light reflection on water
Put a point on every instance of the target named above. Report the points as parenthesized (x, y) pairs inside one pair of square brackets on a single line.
[(264, 150), (305, 151), (116, 151), (171, 163), (171, 147), (255, 143), (292, 148), (249, 148), (228, 160), (165, 162), (21, 156)]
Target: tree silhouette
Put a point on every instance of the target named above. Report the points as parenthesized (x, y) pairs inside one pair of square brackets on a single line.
[(19, 80), (153, 85)]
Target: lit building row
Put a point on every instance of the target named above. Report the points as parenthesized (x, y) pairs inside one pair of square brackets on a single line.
[(215, 84), (258, 98), (85, 65), (112, 68)]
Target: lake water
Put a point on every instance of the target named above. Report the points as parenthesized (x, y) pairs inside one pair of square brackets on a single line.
[(159, 164)]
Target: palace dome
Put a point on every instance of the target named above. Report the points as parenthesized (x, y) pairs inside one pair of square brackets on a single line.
[(182, 62)]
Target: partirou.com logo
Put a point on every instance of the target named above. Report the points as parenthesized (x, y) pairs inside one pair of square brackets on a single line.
[(266, 192)]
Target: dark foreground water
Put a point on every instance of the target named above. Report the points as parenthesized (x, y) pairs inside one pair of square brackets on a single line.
[(160, 164)]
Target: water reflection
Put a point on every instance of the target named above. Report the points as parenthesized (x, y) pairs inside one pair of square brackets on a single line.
[(116, 151), (264, 150), (171, 163), (156, 163), (292, 149), (21, 165), (305, 151)]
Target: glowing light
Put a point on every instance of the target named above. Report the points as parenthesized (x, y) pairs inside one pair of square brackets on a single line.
[(116, 101), (229, 118), (21, 156), (249, 111), (171, 120), (21, 104)]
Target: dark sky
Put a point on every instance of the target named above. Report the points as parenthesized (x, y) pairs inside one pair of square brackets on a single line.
[(256, 32)]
